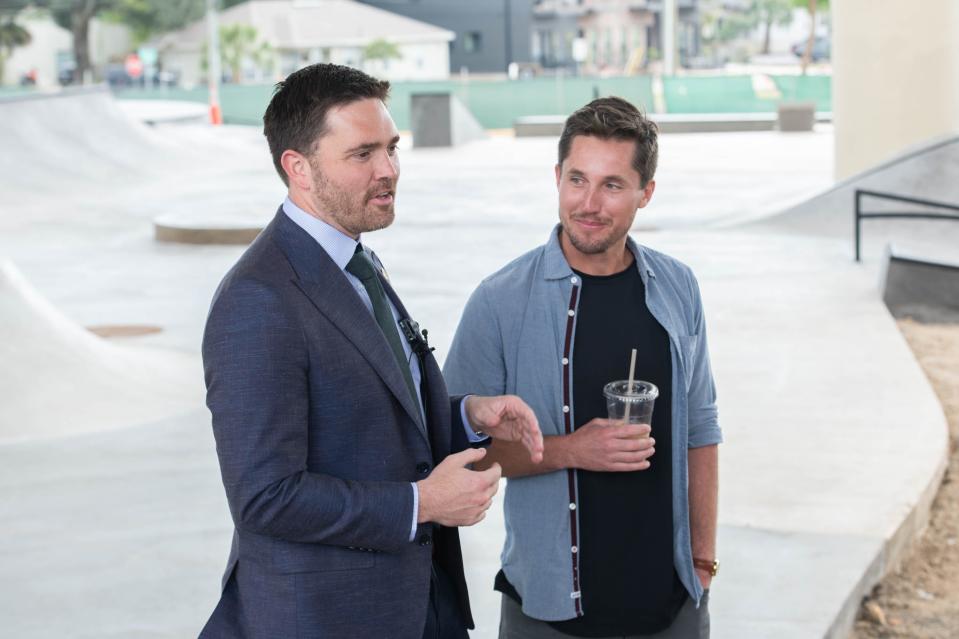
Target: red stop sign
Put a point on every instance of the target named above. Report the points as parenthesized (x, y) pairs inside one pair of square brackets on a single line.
[(133, 66)]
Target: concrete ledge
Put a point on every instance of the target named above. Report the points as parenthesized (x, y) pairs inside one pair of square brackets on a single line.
[(552, 125), (796, 116), (155, 112), (893, 551), (920, 287), (184, 229), (65, 92)]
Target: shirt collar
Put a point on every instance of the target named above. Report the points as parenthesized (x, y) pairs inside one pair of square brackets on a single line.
[(338, 246), (558, 268)]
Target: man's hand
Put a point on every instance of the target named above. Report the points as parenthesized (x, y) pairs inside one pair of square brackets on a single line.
[(453, 495), (704, 578), (507, 418), (608, 445)]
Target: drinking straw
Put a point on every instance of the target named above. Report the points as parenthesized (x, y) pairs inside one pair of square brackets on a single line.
[(629, 384)]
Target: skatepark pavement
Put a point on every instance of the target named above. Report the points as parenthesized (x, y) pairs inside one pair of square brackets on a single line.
[(834, 440)]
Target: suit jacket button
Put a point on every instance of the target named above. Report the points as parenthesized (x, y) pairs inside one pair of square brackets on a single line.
[(425, 540), (422, 468)]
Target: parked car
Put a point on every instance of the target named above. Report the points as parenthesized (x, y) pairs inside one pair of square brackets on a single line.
[(65, 74), (821, 48)]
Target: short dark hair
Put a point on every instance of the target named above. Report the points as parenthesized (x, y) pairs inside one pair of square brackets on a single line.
[(296, 116), (617, 119)]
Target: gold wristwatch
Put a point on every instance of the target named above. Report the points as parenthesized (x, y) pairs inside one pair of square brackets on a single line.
[(712, 567)]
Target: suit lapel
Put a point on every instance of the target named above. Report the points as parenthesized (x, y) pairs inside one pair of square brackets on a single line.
[(328, 289)]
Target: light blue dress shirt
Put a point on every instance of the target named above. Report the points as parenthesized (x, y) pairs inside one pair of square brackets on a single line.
[(341, 248)]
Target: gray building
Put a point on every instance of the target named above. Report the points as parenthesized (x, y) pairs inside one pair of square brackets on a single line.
[(490, 34), (615, 36)]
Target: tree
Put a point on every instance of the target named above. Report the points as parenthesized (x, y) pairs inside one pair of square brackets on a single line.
[(12, 35), (772, 12), (812, 6), (146, 18), (720, 25), (381, 51), (76, 16), (237, 43), (10, 8)]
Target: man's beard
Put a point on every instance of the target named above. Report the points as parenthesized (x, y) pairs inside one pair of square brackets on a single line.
[(352, 212), (592, 245)]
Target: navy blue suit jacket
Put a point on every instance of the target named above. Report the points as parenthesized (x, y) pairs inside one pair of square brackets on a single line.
[(318, 440)]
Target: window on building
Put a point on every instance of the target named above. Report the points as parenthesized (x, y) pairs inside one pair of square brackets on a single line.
[(472, 41)]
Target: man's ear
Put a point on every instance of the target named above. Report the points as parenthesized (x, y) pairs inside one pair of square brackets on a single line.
[(298, 170), (559, 174), (647, 193)]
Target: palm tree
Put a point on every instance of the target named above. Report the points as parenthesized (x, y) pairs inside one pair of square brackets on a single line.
[(12, 35), (236, 43)]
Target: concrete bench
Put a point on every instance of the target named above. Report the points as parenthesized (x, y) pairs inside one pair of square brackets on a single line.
[(552, 125)]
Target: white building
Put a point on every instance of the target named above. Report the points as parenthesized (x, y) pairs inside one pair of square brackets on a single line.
[(302, 32)]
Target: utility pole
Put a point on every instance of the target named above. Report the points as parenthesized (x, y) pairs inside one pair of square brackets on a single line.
[(667, 23), (213, 72), (508, 27)]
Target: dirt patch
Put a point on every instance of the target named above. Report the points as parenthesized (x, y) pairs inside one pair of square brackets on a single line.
[(920, 600), (109, 332)]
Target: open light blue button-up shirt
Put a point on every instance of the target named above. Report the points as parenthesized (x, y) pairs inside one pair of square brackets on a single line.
[(515, 337)]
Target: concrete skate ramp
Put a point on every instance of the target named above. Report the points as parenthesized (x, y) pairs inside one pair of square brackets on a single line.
[(928, 171), (57, 379), (53, 141)]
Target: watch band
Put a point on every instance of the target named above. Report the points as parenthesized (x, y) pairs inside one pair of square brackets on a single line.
[(710, 566)]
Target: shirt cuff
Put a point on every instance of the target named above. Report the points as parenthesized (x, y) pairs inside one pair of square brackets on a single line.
[(471, 434), (416, 509)]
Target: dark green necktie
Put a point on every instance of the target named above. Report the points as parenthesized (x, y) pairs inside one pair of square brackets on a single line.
[(362, 267)]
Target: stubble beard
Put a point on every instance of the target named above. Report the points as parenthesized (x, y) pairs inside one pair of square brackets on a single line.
[(352, 212), (595, 245)]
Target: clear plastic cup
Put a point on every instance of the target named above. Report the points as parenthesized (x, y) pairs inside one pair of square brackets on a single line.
[(640, 397)]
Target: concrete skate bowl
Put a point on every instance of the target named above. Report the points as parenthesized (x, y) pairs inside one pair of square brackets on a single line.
[(55, 143), (57, 379), (79, 152), (929, 171)]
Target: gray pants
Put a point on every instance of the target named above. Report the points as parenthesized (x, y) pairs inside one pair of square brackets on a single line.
[(691, 623)]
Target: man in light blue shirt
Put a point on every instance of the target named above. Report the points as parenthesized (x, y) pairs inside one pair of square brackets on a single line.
[(613, 534)]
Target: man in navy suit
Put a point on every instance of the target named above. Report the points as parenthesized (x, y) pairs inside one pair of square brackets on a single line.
[(345, 461)]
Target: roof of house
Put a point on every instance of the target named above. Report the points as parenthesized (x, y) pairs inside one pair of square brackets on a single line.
[(305, 24)]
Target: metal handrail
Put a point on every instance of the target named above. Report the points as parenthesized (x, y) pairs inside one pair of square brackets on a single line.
[(860, 216)]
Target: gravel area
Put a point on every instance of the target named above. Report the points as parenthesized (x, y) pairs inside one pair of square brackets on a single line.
[(920, 600)]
